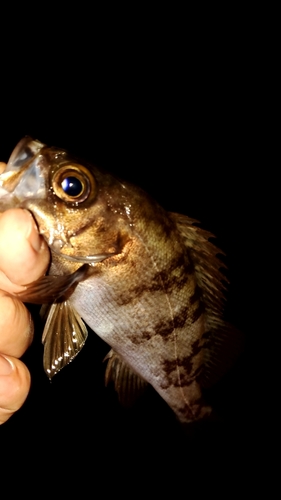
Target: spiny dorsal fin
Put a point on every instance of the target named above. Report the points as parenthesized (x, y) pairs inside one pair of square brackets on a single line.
[(207, 266), (64, 335), (222, 342), (127, 383)]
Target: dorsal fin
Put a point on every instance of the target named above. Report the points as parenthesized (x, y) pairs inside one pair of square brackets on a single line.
[(222, 342), (207, 265)]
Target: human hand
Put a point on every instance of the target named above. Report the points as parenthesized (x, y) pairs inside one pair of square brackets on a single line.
[(24, 257)]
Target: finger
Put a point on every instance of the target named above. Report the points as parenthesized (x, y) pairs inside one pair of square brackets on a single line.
[(24, 255), (16, 326), (14, 386), (2, 167)]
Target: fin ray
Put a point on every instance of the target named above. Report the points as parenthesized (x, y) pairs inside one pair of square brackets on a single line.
[(64, 335), (48, 289), (127, 383), (222, 342)]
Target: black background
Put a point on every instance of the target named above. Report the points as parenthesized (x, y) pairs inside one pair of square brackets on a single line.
[(182, 126)]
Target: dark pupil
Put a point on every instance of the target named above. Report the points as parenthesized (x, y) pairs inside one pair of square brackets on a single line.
[(72, 186)]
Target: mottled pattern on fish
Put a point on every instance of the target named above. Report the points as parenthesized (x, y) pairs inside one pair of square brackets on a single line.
[(153, 290), (145, 302)]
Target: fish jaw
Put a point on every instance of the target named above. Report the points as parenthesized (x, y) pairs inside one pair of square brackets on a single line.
[(27, 188), (23, 176), (14, 191)]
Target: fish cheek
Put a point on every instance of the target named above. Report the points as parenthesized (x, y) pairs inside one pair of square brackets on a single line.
[(101, 234)]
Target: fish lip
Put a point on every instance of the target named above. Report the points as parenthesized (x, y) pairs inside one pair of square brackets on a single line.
[(89, 259)]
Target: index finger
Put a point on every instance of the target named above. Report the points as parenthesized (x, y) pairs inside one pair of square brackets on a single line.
[(24, 255)]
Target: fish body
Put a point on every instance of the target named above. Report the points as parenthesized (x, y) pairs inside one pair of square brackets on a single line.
[(147, 281)]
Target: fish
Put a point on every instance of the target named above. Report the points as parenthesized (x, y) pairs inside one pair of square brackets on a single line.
[(149, 282)]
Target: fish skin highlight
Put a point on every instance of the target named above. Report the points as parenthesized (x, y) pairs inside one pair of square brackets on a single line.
[(147, 281)]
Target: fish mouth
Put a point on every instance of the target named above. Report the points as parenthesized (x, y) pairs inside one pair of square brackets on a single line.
[(88, 259)]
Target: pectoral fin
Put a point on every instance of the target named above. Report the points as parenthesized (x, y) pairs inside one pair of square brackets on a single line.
[(47, 289), (63, 337), (127, 383)]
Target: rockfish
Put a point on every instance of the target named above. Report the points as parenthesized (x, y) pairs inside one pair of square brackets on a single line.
[(147, 281)]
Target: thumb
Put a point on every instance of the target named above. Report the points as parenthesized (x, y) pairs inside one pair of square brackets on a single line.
[(14, 386)]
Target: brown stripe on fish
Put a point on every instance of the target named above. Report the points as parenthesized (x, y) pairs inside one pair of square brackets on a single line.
[(168, 325), (181, 378), (178, 267), (174, 279), (189, 313), (188, 404), (187, 361), (164, 280), (186, 315), (183, 370), (196, 313), (136, 292), (196, 295), (197, 410), (170, 281), (164, 328)]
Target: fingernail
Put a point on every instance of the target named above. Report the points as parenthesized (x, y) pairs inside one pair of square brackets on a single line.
[(6, 366), (32, 235)]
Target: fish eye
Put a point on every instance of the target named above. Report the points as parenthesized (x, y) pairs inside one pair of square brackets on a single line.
[(72, 186), (73, 183)]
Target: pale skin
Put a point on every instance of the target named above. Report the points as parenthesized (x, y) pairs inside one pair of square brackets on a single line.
[(24, 257)]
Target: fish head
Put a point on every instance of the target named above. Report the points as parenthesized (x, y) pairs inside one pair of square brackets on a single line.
[(83, 213)]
